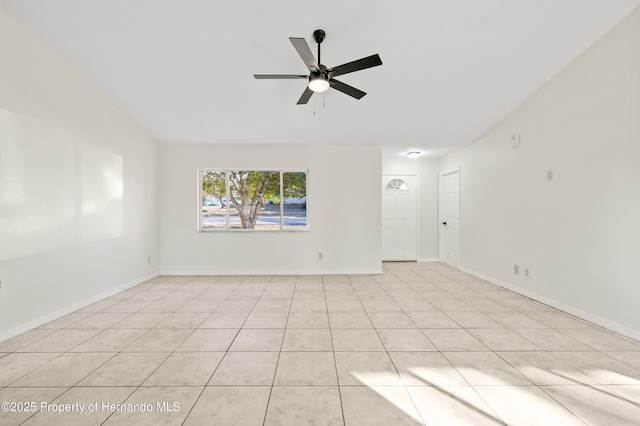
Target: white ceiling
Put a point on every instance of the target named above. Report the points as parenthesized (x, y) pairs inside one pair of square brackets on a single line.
[(452, 68)]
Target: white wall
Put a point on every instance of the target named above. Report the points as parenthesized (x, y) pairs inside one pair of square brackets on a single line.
[(426, 169), (343, 208), (78, 188), (580, 233)]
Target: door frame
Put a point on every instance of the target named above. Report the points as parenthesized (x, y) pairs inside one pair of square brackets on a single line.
[(417, 176), (441, 247)]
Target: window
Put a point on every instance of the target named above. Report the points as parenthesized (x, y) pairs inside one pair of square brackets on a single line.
[(259, 200), (397, 184)]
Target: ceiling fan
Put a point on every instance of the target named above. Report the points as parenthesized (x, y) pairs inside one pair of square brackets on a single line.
[(321, 77)]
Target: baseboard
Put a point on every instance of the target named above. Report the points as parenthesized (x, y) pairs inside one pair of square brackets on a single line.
[(613, 326), (71, 308), (375, 271), (429, 259)]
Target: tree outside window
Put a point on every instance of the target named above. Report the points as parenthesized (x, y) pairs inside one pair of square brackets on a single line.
[(267, 200)]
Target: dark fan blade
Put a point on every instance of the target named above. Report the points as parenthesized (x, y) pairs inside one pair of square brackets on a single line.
[(360, 64), (306, 95), (278, 76), (345, 88), (304, 51)]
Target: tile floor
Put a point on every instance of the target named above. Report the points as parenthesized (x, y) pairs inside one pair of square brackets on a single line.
[(422, 343)]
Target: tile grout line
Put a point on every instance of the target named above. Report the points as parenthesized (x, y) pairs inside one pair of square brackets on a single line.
[(335, 360), (275, 371), (195, 402)]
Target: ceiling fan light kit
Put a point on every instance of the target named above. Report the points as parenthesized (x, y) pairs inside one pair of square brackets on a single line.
[(318, 82), (320, 77)]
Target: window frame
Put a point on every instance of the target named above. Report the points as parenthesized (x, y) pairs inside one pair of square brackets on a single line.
[(200, 194)]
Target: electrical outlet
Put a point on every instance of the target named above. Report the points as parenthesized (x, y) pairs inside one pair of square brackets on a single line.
[(516, 269), (320, 255), (526, 272), (549, 175)]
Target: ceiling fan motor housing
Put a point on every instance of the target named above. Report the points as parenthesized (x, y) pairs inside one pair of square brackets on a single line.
[(319, 35)]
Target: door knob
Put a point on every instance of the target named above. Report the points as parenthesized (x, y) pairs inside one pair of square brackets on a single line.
[(444, 223)]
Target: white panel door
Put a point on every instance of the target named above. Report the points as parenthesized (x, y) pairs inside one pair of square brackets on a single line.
[(451, 218), (399, 218)]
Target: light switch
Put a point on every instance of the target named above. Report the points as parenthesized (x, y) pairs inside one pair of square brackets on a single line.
[(515, 140)]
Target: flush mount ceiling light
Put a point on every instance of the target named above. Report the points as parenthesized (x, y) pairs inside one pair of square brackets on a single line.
[(413, 154), (320, 77)]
